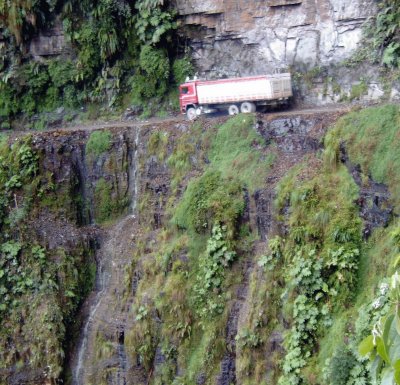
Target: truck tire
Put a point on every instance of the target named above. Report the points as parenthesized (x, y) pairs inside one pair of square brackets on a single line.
[(233, 109), (191, 113), (247, 107)]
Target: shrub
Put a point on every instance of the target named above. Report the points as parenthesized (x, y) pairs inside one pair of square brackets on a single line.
[(152, 79), (181, 69), (61, 72)]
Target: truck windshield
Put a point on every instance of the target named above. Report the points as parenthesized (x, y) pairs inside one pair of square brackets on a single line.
[(184, 90)]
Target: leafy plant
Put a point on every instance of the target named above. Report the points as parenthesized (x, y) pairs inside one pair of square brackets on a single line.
[(383, 344), (276, 253), (341, 365), (387, 31), (152, 79), (182, 68), (210, 277), (153, 20)]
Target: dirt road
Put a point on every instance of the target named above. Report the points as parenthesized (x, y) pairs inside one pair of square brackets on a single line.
[(98, 125)]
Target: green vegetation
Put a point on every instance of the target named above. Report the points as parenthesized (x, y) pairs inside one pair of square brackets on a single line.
[(234, 152), (382, 346), (99, 142), (110, 199), (335, 279), (386, 32), (208, 200), (117, 59), (358, 90), (182, 68), (190, 277), (317, 283), (381, 40), (372, 141), (108, 203), (210, 277), (40, 287), (158, 144), (319, 303), (321, 254)]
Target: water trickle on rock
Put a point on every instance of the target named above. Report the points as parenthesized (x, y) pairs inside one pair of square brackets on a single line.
[(101, 285), (134, 173), (106, 314)]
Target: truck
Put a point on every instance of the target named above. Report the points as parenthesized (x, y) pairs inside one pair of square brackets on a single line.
[(235, 95)]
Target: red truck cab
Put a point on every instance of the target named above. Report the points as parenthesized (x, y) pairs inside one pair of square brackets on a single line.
[(187, 95)]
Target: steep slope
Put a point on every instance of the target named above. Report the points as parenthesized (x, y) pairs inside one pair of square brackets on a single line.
[(256, 252), (188, 316), (272, 295)]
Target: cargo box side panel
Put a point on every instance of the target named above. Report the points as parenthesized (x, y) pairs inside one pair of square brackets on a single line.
[(281, 87), (234, 91)]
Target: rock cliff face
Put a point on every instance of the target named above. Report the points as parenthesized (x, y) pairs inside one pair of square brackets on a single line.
[(240, 37), (50, 42)]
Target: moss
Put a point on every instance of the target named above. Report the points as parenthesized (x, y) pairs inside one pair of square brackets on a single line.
[(157, 144), (107, 202), (99, 142)]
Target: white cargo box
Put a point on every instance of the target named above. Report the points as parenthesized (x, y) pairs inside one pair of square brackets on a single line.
[(257, 88)]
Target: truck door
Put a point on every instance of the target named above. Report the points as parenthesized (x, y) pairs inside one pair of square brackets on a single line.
[(187, 95)]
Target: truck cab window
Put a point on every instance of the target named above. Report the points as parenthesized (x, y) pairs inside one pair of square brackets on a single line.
[(184, 90)]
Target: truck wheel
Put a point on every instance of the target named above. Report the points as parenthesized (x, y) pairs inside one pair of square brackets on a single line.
[(191, 113), (233, 109), (247, 107)]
